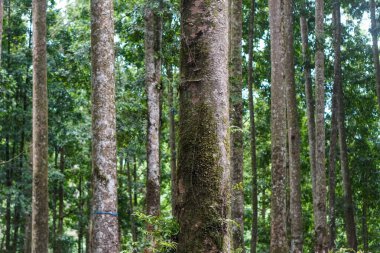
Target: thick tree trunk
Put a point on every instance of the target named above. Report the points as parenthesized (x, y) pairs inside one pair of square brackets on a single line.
[(204, 167), (153, 34), (375, 47), (319, 175), (40, 212), (294, 138), (252, 130), (332, 177), (279, 18), (172, 140), (104, 232), (349, 214), (236, 121)]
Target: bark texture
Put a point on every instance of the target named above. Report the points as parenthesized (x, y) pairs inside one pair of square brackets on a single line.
[(236, 121), (40, 209), (349, 215), (204, 167), (375, 47), (332, 174), (294, 138), (104, 236), (153, 36), (319, 175), (252, 129), (278, 19)]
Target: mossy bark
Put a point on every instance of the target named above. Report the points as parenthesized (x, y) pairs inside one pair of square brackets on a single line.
[(278, 19), (40, 208), (319, 175), (104, 232), (203, 203), (236, 120)]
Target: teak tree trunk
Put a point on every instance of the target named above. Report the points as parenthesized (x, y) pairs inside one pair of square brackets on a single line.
[(252, 129), (40, 208), (236, 121), (294, 137), (279, 19), (104, 221), (204, 167), (319, 175), (349, 215), (375, 47), (153, 34)]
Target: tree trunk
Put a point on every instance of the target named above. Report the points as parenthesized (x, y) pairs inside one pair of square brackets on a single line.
[(28, 234), (203, 169), (54, 205), (134, 231), (153, 35), (364, 225), (294, 138), (172, 139), (60, 200), (349, 214), (252, 129), (40, 212), (1, 27), (130, 202), (319, 175), (279, 18), (375, 47), (236, 121), (332, 177), (81, 216), (104, 232)]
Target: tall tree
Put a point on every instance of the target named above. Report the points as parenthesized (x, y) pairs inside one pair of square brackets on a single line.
[(203, 171), (280, 15), (1, 27), (104, 221), (236, 121), (349, 214), (294, 138), (252, 128), (40, 208), (319, 175), (153, 34), (375, 47)]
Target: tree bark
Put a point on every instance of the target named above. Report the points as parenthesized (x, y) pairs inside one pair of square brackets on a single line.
[(279, 18), (40, 212), (349, 214), (104, 232), (204, 167), (332, 176), (236, 121), (1, 27), (294, 138), (319, 175), (252, 129), (153, 34), (134, 231), (172, 140), (375, 47)]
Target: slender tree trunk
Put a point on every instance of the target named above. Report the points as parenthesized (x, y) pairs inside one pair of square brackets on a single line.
[(364, 225), (134, 231), (236, 119), (1, 27), (332, 177), (60, 200), (40, 212), (153, 35), (172, 139), (204, 168), (81, 216), (349, 214), (252, 129), (54, 205), (104, 232), (28, 234), (294, 139), (375, 47), (130, 202), (279, 16), (319, 175)]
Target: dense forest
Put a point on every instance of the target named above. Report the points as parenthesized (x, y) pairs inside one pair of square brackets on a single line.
[(189, 126)]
